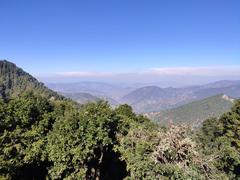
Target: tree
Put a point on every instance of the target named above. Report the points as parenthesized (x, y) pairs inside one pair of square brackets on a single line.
[(222, 138), (24, 126), (81, 140)]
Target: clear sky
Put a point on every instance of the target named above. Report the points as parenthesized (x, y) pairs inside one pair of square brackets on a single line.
[(119, 36)]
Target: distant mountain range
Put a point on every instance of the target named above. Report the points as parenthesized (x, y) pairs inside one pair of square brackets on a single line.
[(149, 98), (93, 88), (152, 98), (196, 112)]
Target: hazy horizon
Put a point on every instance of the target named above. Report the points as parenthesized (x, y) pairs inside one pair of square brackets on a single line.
[(163, 84)]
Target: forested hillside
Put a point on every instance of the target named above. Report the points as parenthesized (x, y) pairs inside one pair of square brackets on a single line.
[(14, 81), (196, 112), (46, 138)]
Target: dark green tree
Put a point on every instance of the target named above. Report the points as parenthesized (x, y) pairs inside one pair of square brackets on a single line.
[(220, 138), (25, 123), (81, 142)]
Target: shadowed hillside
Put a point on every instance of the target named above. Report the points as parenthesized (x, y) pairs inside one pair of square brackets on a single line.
[(14, 81)]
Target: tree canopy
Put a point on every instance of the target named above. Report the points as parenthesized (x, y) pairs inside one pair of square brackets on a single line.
[(42, 138)]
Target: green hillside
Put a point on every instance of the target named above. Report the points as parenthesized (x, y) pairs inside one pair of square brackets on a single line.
[(14, 81), (195, 112), (81, 98)]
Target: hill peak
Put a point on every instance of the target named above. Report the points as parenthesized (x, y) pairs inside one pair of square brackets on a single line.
[(226, 97)]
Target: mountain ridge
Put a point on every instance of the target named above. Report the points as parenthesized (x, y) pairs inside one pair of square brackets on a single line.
[(168, 98), (151, 98), (14, 81), (195, 112)]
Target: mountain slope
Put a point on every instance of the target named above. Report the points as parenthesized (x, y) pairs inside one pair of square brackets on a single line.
[(149, 92), (14, 81), (231, 90), (153, 98), (221, 84), (81, 98), (110, 100), (143, 99), (195, 112)]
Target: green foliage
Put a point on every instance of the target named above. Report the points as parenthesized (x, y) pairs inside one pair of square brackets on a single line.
[(220, 138), (135, 149), (154, 153), (25, 122), (79, 140), (41, 138)]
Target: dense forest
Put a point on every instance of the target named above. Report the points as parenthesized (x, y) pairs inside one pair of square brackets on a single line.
[(54, 138)]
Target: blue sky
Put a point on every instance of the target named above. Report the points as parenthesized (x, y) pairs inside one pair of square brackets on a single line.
[(119, 36)]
